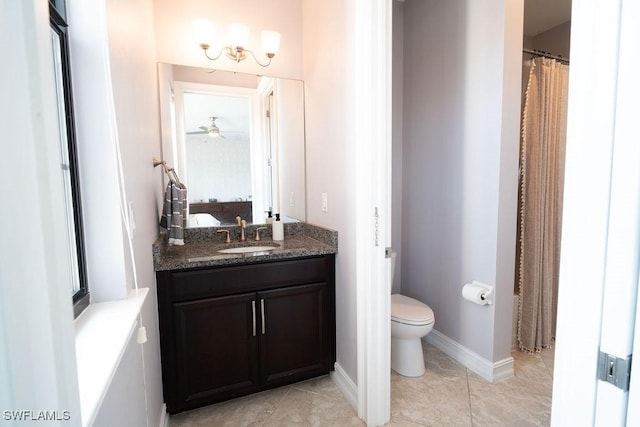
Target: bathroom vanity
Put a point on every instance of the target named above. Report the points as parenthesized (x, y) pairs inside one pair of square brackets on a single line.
[(235, 324)]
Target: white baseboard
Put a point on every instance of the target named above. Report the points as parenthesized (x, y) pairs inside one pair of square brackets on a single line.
[(491, 372), (503, 369), (164, 417), (346, 385)]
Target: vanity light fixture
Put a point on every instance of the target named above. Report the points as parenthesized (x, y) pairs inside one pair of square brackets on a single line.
[(238, 40)]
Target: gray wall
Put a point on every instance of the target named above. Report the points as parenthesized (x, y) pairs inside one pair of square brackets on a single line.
[(462, 72), (134, 80), (331, 153), (556, 40), (396, 162), (40, 372)]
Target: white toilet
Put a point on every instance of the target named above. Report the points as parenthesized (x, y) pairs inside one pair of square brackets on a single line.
[(410, 321)]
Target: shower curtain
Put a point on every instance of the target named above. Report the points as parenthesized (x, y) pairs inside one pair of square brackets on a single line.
[(542, 178)]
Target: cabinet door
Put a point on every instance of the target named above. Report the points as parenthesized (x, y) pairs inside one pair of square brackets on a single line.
[(294, 334), (216, 349)]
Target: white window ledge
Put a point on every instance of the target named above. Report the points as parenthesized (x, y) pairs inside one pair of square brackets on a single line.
[(103, 331)]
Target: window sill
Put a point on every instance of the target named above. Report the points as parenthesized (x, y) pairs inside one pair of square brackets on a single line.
[(102, 333)]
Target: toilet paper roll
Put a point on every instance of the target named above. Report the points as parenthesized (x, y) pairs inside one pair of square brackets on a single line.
[(475, 293)]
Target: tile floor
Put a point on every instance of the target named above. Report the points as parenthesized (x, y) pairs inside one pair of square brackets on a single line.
[(447, 395)]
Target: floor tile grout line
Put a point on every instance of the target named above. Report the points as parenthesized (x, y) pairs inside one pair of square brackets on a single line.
[(293, 386), (324, 396), (400, 417), (469, 396), (277, 405), (531, 392)]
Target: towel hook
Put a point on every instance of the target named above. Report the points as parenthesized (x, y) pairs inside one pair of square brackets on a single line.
[(171, 173)]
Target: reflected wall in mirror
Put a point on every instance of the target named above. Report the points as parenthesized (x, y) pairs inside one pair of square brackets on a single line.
[(237, 142), (217, 147)]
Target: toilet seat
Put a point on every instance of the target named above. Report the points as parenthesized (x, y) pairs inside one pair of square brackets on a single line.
[(409, 311)]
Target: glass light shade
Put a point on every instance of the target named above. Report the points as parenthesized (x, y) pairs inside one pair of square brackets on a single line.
[(270, 41), (238, 35), (203, 31)]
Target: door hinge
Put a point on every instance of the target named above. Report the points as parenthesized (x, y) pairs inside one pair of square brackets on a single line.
[(615, 370)]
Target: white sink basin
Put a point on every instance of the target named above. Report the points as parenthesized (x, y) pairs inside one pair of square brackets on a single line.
[(247, 249)]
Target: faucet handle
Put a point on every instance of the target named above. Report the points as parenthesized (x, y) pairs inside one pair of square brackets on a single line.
[(228, 239), (238, 220), (258, 232)]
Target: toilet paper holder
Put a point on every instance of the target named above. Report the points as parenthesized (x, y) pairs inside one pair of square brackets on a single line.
[(484, 293)]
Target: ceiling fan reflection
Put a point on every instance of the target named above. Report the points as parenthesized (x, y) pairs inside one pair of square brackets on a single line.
[(212, 130)]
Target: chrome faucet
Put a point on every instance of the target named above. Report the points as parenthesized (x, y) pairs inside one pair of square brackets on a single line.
[(243, 224)]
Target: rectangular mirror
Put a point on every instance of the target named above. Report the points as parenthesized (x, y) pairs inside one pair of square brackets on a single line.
[(236, 141)]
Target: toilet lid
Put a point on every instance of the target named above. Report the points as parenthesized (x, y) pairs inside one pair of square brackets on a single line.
[(410, 311)]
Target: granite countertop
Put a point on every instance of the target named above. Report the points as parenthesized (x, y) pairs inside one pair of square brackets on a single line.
[(202, 245)]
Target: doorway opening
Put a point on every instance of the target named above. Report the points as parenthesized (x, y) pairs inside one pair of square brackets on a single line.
[(545, 73)]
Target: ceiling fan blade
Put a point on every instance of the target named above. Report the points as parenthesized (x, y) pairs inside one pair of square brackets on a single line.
[(197, 133)]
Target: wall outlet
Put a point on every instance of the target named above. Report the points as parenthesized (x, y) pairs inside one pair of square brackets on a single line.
[(325, 203), (292, 200)]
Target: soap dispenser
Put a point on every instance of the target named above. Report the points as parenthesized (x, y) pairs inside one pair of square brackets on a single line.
[(269, 219), (278, 229)]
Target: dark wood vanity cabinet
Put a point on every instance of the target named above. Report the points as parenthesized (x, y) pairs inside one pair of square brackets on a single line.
[(230, 331)]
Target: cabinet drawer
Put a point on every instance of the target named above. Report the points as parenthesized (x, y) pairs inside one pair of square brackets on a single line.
[(190, 284)]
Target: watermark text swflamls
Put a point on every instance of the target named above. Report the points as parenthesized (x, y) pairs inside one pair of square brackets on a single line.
[(31, 415)]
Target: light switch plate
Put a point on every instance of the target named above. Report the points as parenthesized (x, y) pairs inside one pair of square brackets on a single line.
[(325, 203)]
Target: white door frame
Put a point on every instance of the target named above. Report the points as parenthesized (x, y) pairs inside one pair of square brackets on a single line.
[(595, 32), (594, 95), (623, 239), (633, 411), (373, 33), (258, 164)]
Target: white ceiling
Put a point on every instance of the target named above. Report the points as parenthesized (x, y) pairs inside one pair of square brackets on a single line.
[(542, 15)]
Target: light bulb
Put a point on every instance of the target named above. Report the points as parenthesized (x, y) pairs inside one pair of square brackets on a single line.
[(270, 41), (203, 31), (238, 35)]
